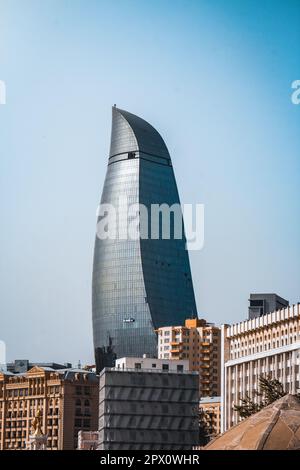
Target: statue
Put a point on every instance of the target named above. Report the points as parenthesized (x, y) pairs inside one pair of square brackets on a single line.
[(37, 439), (37, 424)]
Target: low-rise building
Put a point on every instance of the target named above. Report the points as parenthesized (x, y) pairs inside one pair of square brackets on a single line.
[(67, 400), (148, 404), (268, 345), (88, 440), (200, 343), (151, 363), (210, 413)]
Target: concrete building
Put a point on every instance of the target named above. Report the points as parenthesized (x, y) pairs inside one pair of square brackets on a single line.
[(268, 345), (67, 400), (200, 343), (260, 304), (148, 408), (210, 411)]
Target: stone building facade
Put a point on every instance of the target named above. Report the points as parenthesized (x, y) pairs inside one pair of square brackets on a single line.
[(67, 399), (275, 427)]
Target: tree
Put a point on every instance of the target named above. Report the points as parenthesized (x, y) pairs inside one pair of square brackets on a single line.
[(270, 390), (204, 436)]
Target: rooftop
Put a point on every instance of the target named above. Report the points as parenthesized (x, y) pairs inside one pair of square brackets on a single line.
[(65, 374), (265, 320), (130, 133), (208, 400), (275, 427)]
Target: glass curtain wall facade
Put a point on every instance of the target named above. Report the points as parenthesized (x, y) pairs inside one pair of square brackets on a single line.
[(138, 285)]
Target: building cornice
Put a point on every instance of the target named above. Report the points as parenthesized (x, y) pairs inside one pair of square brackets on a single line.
[(269, 319), (263, 354)]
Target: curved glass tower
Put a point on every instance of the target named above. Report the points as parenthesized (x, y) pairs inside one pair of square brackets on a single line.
[(139, 284)]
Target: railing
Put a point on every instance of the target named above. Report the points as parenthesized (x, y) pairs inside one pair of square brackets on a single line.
[(159, 371)]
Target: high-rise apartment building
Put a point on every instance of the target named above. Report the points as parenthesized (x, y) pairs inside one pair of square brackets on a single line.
[(139, 283), (268, 345), (67, 400), (148, 404), (200, 343)]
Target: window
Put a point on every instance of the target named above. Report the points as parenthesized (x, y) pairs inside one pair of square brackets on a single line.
[(180, 368), (165, 367), (137, 365), (153, 366)]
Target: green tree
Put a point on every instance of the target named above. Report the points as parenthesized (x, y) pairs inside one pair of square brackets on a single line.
[(204, 436), (269, 391)]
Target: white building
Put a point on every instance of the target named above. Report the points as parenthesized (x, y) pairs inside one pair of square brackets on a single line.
[(153, 364), (268, 345)]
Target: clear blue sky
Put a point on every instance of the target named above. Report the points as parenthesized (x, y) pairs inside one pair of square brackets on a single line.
[(214, 77)]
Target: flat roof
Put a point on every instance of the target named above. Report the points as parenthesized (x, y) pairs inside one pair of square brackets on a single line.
[(210, 400)]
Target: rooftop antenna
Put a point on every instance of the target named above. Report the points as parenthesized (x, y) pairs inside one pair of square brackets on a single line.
[(115, 105)]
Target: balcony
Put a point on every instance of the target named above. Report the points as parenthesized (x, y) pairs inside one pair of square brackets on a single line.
[(206, 388), (176, 348), (205, 381), (206, 351)]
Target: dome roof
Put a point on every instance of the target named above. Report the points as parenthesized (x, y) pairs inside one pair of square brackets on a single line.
[(276, 427)]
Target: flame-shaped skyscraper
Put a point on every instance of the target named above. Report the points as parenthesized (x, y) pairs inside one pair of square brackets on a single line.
[(139, 284)]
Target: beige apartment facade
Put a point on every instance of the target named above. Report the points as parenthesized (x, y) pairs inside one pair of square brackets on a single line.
[(67, 399), (199, 342), (268, 345), (210, 412)]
